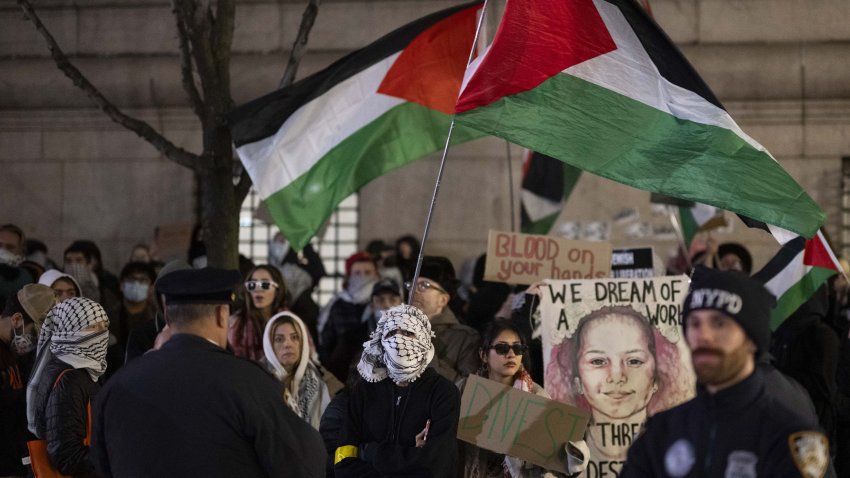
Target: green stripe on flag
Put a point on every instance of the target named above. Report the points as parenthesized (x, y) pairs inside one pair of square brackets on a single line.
[(402, 135), (689, 225), (798, 294), (616, 137), (541, 226)]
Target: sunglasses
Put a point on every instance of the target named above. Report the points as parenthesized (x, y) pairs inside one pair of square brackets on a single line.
[(423, 286), (261, 284), (502, 349)]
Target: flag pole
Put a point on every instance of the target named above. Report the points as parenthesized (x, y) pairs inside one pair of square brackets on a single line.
[(442, 168), (511, 185)]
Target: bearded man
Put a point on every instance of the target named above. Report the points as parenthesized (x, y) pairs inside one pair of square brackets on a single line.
[(733, 427)]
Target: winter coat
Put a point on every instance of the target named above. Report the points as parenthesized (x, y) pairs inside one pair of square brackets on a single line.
[(61, 417), (455, 346), (383, 420)]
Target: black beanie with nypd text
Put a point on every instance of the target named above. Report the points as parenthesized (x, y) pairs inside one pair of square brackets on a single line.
[(736, 295)]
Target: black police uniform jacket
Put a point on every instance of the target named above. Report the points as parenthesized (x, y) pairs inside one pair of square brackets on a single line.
[(738, 432), (382, 423), (194, 409)]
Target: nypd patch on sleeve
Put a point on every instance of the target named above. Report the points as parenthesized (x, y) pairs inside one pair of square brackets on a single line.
[(810, 451)]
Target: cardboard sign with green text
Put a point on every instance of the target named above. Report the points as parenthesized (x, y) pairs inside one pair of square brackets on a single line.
[(516, 423), (528, 258)]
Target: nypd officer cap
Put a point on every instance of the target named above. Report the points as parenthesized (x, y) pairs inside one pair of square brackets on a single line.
[(199, 286)]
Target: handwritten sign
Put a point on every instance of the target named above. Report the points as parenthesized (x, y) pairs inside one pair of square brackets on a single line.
[(527, 258), (633, 263), (520, 424)]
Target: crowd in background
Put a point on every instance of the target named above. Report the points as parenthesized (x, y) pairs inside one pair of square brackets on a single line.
[(97, 322)]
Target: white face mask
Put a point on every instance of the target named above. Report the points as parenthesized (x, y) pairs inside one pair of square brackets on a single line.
[(10, 258), (199, 262), (22, 343), (360, 288), (135, 291)]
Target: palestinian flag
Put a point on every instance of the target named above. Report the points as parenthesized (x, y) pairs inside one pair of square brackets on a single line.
[(309, 146), (697, 218), (796, 272), (546, 186), (598, 85)]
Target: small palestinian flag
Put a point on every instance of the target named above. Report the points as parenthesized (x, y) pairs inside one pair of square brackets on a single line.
[(799, 268), (697, 218), (309, 146), (546, 186), (598, 85)]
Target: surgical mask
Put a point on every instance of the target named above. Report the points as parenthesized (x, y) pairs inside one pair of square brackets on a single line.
[(360, 288), (10, 258), (22, 343), (277, 251), (135, 291)]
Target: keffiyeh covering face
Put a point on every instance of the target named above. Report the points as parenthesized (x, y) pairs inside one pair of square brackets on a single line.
[(401, 357), (64, 334)]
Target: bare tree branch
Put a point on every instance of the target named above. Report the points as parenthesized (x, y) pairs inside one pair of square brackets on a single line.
[(195, 100), (300, 45), (141, 128)]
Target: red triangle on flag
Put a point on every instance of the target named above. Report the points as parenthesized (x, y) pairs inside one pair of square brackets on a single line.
[(817, 253), (536, 40), (430, 69)]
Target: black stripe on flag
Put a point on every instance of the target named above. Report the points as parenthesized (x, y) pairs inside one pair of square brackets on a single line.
[(781, 260), (544, 177), (670, 62), (263, 117)]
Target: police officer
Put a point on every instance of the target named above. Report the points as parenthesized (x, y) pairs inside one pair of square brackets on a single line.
[(192, 408), (732, 427)]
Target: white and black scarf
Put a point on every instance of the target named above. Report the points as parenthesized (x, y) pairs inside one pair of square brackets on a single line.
[(397, 356)]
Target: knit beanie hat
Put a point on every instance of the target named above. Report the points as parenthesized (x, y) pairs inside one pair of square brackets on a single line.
[(734, 294), (440, 270)]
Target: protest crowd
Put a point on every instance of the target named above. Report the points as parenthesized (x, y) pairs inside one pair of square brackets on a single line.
[(174, 370)]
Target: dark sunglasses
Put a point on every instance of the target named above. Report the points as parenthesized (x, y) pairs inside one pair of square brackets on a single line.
[(265, 284), (502, 349)]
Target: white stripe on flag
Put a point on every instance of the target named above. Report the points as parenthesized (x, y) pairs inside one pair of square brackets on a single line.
[(316, 128), (787, 277)]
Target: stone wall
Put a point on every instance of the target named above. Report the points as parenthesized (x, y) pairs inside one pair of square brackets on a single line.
[(781, 67)]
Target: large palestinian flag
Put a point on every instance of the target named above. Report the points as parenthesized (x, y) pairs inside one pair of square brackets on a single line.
[(598, 85), (795, 273), (309, 146)]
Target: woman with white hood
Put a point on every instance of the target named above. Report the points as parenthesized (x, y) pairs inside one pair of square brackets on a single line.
[(64, 286), (289, 355)]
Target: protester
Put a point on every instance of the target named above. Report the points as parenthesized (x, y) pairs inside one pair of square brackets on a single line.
[(455, 344), (732, 427), (137, 304), (402, 420), (193, 409), (503, 353), (106, 280), (18, 339), (264, 295), (12, 275), (385, 294), (71, 359), (343, 321), (406, 254), (64, 286), (80, 263), (289, 356), (301, 270)]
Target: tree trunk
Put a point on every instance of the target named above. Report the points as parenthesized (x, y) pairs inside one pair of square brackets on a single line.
[(219, 205)]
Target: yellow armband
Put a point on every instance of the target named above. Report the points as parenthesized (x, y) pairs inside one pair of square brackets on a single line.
[(343, 452)]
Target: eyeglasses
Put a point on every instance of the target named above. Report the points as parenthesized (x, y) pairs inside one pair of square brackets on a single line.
[(502, 349), (423, 286), (262, 284)]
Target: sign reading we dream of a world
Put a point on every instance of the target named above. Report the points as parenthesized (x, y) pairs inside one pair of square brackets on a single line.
[(527, 258)]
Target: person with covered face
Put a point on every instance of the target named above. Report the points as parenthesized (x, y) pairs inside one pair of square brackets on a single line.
[(290, 357), (70, 360), (402, 419), (733, 427)]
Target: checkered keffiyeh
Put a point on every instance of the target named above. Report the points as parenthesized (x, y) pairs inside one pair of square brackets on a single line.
[(399, 357)]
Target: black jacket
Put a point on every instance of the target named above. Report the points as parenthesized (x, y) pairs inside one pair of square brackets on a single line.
[(61, 416), (193, 409), (13, 412), (384, 419), (739, 431)]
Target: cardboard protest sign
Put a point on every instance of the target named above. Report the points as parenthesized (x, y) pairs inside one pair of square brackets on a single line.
[(615, 348), (632, 263), (516, 423), (528, 258)]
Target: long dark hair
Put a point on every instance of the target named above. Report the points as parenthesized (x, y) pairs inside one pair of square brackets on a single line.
[(492, 331), (251, 314)]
